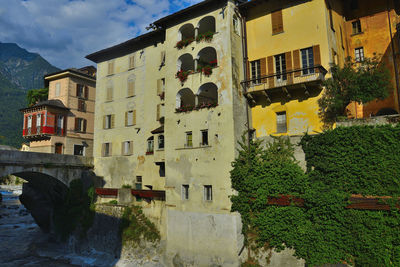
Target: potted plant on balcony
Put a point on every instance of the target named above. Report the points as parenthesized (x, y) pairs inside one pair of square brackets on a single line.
[(182, 75), (183, 43), (208, 36)]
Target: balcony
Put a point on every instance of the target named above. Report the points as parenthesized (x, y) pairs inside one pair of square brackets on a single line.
[(297, 84)]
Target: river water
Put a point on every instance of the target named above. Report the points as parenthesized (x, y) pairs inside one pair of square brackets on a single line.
[(22, 243)]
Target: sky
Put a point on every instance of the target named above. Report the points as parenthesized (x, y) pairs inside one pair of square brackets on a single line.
[(65, 31)]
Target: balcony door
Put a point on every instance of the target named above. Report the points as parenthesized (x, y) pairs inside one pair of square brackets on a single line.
[(280, 68), (58, 148)]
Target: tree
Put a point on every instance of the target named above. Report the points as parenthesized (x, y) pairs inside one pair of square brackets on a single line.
[(37, 95), (361, 82)]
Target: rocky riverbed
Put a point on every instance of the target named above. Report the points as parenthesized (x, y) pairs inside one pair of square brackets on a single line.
[(22, 243)]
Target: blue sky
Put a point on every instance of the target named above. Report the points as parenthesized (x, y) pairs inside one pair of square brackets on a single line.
[(65, 31)]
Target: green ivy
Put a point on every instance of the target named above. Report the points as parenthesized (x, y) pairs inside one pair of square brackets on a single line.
[(340, 162)]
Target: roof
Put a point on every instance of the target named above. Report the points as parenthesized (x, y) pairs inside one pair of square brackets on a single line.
[(129, 46), (54, 103), (158, 130), (72, 70)]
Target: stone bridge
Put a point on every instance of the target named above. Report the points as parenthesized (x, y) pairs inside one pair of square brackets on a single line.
[(48, 177)]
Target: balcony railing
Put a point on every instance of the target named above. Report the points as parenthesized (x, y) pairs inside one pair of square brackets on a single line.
[(287, 83), (287, 78)]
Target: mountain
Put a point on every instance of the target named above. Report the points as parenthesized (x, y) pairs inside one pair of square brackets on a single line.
[(20, 71)]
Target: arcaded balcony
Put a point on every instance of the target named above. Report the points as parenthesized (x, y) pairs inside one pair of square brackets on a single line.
[(207, 96), (205, 29), (294, 84), (186, 35), (185, 100), (206, 60)]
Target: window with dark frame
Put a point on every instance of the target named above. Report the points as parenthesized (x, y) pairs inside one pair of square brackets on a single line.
[(189, 139), (161, 141), (255, 71), (127, 148), (185, 192), (81, 105), (150, 145), (79, 150), (307, 60), (356, 25), (208, 193), (280, 67), (80, 125), (138, 186), (281, 123), (204, 138), (106, 149), (108, 124)]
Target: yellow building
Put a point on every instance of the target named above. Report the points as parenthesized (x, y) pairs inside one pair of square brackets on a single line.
[(290, 46), (169, 112)]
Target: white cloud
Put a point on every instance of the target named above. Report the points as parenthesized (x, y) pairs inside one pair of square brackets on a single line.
[(65, 31)]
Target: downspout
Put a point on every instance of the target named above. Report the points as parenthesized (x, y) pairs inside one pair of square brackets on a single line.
[(394, 56), (245, 59)]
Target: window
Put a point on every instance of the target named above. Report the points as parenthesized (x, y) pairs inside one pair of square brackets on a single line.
[(150, 146), (138, 186), (341, 37), (256, 71), (81, 105), (331, 17), (106, 150), (160, 86), (204, 138), (131, 61), (208, 193), (277, 22), (80, 125), (127, 148), (60, 125), (189, 141), (280, 67), (131, 88), (109, 96), (79, 150), (81, 91), (281, 126), (185, 192), (307, 60), (162, 169), (162, 63), (130, 118), (108, 121), (29, 121), (110, 70), (58, 89), (38, 120), (359, 54), (161, 141), (356, 25)]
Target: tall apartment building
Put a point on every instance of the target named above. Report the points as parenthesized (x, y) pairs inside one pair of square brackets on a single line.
[(169, 112), (290, 47), (63, 124)]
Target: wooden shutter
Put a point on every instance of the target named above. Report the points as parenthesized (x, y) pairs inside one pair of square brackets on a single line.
[(110, 149), (288, 58), (248, 70), (131, 88), (263, 68), (271, 80), (159, 86), (109, 93), (76, 124), (134, 117), (131, 147), (25, 122), (104, 121), (296, 62), (103, 149), (84, 125), (123, 148), (158, 111), (34, 124), (317, 56), (77, 89), (86, 91), (277, 21), (131, 61), (112, 121), (110, 67)]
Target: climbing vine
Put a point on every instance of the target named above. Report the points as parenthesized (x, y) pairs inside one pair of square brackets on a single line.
[(352, 160)]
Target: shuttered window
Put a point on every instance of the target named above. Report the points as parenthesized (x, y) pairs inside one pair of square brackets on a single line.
[(256, 71), (185, 192), (108, 121), (109, 96), (58, 88), (162, 61), (307, 60), (127, 148), (110, 70), (106, 149), (81, 105), (131, 61), (131, 88), (160, 86), (280, 67), (130, 118), (277, 22)]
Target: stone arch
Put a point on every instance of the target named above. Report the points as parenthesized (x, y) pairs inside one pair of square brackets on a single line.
[(207, 57), (186, 32), (206, 24), (207, 94), (185, 98), (185, 62)]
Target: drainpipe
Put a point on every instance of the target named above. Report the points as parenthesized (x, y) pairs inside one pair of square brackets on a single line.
[(245, 59), (396, 75)]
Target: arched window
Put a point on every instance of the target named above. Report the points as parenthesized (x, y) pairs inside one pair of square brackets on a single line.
[(185, 99), (161, 141), (207, 96), (185, 62), (206, 60), (186, 32), (206, 25)]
